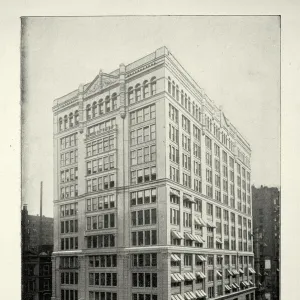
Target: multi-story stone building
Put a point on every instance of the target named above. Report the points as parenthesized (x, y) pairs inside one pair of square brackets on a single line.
[(152, 194), (266, 226)]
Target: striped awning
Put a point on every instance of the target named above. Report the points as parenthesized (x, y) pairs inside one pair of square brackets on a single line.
[(252, 271), (210, 224), (235, 272), (190, 236), (189, 276), (243, 284), (177, 277), (200, 294), (175, 257), (227, 287), (174, 192), (200, 274), (219, 241), (251, 282), (229, 272), (241, 271), (201, 258), (235, 286), (199, 239), (199, 221), (177, 234), (188, 197), (190, 295), (177, 297), (247, 283), (219, 273)]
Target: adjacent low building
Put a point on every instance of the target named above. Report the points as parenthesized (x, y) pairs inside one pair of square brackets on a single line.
[(266, 225), (152, 195), (36, 256)]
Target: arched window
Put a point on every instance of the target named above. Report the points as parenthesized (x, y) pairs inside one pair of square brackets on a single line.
[(197, 112), (189, 104), (88, 112), (66, 122), (177, 93), (114, 101), (173, 89), (60, 122), (94, 110), (101, 107), (76, 117), (107, 104), (153, 86), (185, 101), (182, 98), (138, 92), (130, 95), (169, 85), (193, 108), (145, 89), (71, 120)]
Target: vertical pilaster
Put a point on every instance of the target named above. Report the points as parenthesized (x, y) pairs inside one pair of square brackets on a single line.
[(56, 158), (164, 276), (81, 144), (55, 278), (81, 169), (181, 270), (215, 275), (122, 91), (83, 278), (181, 227), (124, 276)]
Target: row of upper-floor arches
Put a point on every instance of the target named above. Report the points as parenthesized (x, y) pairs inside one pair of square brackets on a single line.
[(110, 103), (68, 121), (102, 106), (192, 107), (217, 131), (184, 99), (142, 90)]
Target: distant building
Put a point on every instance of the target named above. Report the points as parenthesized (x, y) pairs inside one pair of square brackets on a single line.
[(266, 229), (36, 256)]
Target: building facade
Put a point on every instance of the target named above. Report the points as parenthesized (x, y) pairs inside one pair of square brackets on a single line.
[(152, 195), (36, 256), (266, 226)]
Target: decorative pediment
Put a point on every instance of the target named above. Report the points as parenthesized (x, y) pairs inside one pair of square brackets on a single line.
[(101, 81), (94, 86), (108, 80)]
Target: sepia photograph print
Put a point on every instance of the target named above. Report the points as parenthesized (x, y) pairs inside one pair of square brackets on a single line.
[(150, 158)]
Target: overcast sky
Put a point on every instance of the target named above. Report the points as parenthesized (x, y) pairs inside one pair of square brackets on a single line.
[(236, 60)]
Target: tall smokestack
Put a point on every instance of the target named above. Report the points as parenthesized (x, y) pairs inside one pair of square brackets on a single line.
[(41, 217)]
